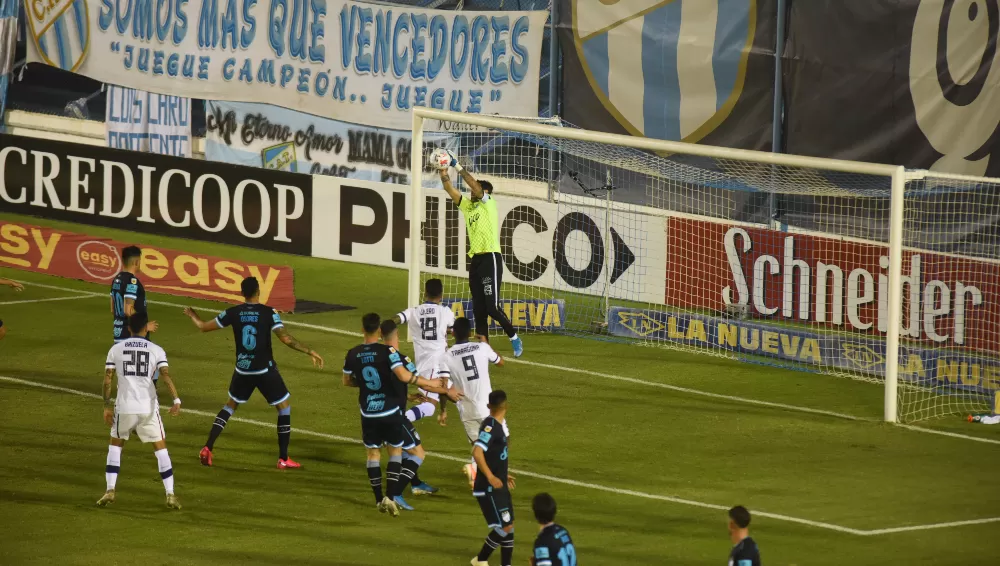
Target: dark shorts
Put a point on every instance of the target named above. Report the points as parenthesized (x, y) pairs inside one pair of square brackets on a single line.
[(390, 430), (411, 435), (270, 385), (498, 510)]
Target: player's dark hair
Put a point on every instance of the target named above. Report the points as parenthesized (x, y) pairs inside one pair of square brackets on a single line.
[(370, 322), (497, 398), (249, 287), (129, 253), (544, 506), (462, 329), (486, 185), (137, 322), (740, 515), (433, 288), (387, 327)]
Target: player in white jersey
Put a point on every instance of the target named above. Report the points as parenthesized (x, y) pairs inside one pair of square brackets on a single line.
[(135, 361), (429, 342), (467, 365)]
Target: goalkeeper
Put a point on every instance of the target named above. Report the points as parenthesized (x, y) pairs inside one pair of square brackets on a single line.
[(482, 228)]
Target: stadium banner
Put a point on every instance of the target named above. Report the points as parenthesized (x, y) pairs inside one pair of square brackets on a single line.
[(910, 82), (352, 61), (367, 222), (807, 278), (685, 70), (802, 347), (527, 314), (172, 272), (8, 49), (144, 121), (263, 135), (156, 194)]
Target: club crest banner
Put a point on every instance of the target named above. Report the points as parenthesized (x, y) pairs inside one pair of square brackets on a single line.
[(690, 70), (262, 135), (338, 59)]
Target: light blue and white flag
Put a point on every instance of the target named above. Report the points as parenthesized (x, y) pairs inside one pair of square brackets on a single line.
[(144, 121)]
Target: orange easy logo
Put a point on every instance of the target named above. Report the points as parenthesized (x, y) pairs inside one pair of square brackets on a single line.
[(99, 259)]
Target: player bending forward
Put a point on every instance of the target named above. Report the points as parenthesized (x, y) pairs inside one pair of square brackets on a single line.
[(493, 486), (379, 373), (252, 325), (467, 365), (413, 451), (136, 409)]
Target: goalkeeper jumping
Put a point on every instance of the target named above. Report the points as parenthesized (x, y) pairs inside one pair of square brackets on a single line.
[(482, 228)]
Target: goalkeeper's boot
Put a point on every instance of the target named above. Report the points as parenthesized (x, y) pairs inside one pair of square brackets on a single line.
[(173, 502), (107, 499), (423, 488), (518, 347)]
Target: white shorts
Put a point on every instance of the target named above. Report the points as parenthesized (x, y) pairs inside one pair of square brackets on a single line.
[(472, 428), (429, 395), (148, 427)]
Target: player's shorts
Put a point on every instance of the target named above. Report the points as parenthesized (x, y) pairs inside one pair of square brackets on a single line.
[(269, 383), (148, 427), (472, 427), (434, 396), (389, 430), (498, 510), (411, 435)]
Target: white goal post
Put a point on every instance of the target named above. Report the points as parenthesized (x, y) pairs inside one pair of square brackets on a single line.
[(652, 267)]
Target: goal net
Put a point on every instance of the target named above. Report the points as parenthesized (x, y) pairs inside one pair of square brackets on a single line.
[(770, 259)]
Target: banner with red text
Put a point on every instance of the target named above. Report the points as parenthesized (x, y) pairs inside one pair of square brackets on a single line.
[(98, 260)]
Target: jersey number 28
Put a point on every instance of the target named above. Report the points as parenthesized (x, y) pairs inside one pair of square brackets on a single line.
[(135, 363)]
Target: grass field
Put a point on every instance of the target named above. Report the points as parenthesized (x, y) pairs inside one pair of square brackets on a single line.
[(643, 449)]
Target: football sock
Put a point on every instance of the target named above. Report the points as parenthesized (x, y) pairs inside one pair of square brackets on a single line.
[(514, 337), (392, 478), (420, 411), (220, 423), (375, 479), (284, 431), (166, 470), (114, 464), (491, 543), (507, 550), (409, 471)]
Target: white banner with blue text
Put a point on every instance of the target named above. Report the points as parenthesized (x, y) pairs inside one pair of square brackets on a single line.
[(339, 59), (262, 135), (143, 121)]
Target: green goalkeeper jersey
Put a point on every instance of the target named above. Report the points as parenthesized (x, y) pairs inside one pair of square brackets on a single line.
[(481, 224)]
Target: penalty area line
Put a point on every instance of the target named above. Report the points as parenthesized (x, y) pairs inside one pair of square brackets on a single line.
[(27, 301), (622, 378), (555, 479)]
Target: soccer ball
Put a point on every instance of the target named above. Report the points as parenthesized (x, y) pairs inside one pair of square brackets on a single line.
[(440, 159)]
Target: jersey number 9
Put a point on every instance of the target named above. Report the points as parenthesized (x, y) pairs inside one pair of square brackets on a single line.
[(372, 379), (249, 338), (469, 362)]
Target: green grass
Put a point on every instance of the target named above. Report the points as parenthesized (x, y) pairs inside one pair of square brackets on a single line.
[(853, 473)]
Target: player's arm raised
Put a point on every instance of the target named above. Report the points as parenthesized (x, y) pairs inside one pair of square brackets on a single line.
[(474, 187), (203, 325), (165, 376), (290, 341)]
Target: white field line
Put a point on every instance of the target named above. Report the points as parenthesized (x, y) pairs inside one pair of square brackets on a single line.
[(610, 376), (555, 479), (26, 301)]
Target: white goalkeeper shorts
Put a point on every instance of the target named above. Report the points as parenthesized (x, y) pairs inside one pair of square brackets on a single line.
[(148, 427)]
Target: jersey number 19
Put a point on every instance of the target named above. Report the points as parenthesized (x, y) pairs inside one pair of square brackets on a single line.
[(428, 328)]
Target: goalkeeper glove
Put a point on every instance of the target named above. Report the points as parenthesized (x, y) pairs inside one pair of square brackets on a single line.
[(454, 161)]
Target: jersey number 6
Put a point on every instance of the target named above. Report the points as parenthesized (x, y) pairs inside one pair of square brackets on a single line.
[(249, 338)]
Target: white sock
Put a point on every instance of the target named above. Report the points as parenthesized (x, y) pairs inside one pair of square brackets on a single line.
[(421, 411), (166, 470), (514, 337), (114, 464)]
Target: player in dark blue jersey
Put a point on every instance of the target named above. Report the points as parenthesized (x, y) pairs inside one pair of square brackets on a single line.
[(744, 552), (15, 286), (414, 451), (128, 296), (494, 484), (553, 545), (253, 324), (379, 372)]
